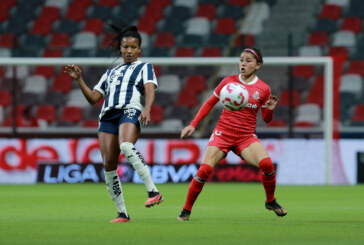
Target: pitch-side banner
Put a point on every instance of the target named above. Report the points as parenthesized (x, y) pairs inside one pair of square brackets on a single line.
[(300, 161)]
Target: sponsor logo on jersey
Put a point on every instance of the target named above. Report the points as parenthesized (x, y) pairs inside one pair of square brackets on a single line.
[(218, 133), (131, 112), (256, 95), (250, 105)]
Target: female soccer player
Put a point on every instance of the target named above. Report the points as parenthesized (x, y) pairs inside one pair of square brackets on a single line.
[(122, 112), (235, 131)]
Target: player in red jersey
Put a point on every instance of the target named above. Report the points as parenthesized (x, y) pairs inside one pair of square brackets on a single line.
[(235, 131)]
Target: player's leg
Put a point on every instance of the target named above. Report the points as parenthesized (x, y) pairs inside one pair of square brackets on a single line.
[(212, 156), (128, 135), (109, 147), (256, 154)]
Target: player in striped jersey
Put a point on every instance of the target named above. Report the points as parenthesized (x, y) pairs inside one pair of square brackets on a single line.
[(235, 131), (122, 112)]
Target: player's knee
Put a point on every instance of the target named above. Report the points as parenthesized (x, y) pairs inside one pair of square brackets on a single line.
[(204, 171), (266, 165), (126, 148)]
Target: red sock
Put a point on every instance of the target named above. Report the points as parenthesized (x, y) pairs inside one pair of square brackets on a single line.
[(196, 186), (268, 178)]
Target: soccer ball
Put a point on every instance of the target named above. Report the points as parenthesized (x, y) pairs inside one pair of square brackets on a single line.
[(234, 96)]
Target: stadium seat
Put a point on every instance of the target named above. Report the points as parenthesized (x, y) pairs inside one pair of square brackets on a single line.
[(91, 112), (57, 3), (147, 26), (59, 40), (284, 98), (330, 11), (41, 27), (198, 26), (75, 13), (341, 51), (353, 84), (231, 11), (5, 98), (225, 26), (46, 112), (187, 97), (206, 11), (159, 52), (72, 114), (76, 98), (196, 83), (85, 40), (8, 40), (316, 94), (211, 52), (184, 52), (55, 98), (308, 115), (49, 14), (35, 84), (326, 25), (341, 3), (67, 26), (353, 24), (186, 3), (156, 113), (356, 67), (153, 12), (90, 123), (165, 40), (344, 39), (94, 25), (100, 12), (45, 71), (218, 40), (169, 83), (241, 3), (108, 3), (5, 52), (62, 83), (310, 51), (52, 53), (303, 71), (318, 38), (191, 41), (358, 115)]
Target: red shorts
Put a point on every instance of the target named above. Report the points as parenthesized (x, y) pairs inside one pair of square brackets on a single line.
[(234, 143)]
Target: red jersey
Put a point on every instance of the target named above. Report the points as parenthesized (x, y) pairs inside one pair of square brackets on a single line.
[(243, 121)]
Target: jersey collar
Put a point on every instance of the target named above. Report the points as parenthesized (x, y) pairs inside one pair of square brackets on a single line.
[(252, 82)]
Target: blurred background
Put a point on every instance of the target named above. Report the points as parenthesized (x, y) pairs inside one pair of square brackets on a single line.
[(40, 105)]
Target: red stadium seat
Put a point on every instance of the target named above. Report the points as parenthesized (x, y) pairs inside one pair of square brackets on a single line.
[(277, 123), (342, 51), (62, 83), (147, 26), (156, 113), (82, 3), (71, 114), (206, 10), (153, 12), (184, 52), (90, 123), (330, 11), (358, 115), (52, 53), (46, 112), (4, 14), (164, 40), (284, 98), (246, 40), (59, 40), (109, 3), (239, 2), (211, 52), (303, 71), (303, 124), (49, 13), (94, 25), (75, 13), (46, 71), (5, 98), (41, 27), (225, 26), (8, 40), (316, 94), (356, 67), (318, 38), (196, 83), (160, 3), (352, 24), (187, 98), (157, 70)]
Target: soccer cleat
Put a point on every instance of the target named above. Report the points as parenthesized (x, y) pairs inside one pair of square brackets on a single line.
[(154, 198), (122, 218), (184, 216), (278, 209)]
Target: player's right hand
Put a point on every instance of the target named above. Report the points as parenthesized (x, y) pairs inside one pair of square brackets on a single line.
[(73, 71), (187, 132)]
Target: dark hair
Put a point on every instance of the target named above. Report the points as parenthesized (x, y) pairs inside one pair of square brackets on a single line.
[(117, 31), (257, 54)]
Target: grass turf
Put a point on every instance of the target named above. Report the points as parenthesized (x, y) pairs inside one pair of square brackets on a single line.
[(225, 213)]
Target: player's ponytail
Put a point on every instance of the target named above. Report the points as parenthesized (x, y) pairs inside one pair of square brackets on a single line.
[(117, 30)]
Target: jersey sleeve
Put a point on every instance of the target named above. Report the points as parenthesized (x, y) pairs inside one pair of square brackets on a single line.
[(101, 86), (267, 115), (149, 75), (220, 86), (204, 110)]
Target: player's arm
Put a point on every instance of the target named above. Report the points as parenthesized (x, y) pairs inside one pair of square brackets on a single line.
[(149, 100), (204, 110), (92, 96), (268, 108)]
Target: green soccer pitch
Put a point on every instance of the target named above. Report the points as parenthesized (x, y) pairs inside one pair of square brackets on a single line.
[(225, 213)]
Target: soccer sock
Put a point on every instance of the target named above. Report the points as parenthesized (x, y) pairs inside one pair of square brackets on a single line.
[(115, 191), (196, 185), (139, 165), (268, 178)]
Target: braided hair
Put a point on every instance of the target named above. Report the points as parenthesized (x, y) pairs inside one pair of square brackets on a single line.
[(117, 31)]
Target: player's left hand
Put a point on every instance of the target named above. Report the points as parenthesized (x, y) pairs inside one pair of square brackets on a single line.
[(272, 102), (145, 117)]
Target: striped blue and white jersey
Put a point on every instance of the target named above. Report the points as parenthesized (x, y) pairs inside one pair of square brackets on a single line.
[(123, 85)]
